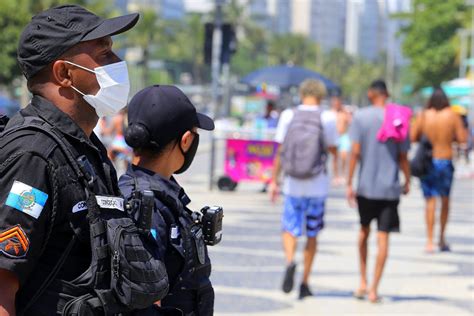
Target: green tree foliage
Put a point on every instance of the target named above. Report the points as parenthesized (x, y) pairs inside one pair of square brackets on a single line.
[(14, 15), (430, 39), (252, 47), (183, 47), (251, 52), (335, 65), (353, 74), (147, 36), (293, 48), (357, 79)]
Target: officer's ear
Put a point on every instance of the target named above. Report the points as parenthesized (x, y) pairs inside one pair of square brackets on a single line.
[(186, 141), (61, 72)]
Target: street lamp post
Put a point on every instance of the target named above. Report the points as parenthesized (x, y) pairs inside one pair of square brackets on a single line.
[(216, 69), (463, 36), (471, 64)]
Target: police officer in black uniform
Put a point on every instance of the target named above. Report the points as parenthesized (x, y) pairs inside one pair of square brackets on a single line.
[(51, 162), (162, 130)]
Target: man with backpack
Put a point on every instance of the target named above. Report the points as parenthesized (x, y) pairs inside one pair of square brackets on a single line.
[(305, 135)]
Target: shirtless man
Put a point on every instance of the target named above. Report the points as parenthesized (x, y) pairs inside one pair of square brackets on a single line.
[(442, 127), (342, 118)]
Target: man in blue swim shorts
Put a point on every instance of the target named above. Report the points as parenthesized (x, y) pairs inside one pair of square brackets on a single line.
[(439, 180), (304, 196), (442, 126)]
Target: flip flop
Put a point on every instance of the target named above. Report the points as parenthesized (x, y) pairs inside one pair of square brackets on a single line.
[(377, 300), (360, 294), (444, 248)]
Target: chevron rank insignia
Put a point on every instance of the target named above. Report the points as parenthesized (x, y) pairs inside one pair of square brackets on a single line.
[(13, 242)]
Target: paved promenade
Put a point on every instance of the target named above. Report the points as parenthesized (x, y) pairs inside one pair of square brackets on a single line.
[(248, 265)]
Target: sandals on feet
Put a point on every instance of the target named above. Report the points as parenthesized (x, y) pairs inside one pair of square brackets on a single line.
[(375, 300), (444, 248), (360, 294)]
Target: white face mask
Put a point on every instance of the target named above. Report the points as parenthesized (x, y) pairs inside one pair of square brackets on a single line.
[(114, 88)]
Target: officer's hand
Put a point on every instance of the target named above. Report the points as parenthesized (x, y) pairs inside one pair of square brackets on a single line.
[(8, 287)]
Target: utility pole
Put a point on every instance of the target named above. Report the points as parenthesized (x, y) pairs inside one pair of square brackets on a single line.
[(216, 69), (471, 64), (463, 36), (216, 56), (471, 59), (390, 63)]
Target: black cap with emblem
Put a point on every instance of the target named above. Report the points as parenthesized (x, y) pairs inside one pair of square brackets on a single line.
[(52, 32)]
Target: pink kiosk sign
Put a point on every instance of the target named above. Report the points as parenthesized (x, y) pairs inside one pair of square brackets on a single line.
[(249, 159)]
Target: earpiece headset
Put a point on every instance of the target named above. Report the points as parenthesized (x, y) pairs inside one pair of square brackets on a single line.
[(138, 136)]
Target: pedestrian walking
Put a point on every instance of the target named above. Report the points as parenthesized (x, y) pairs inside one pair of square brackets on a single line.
[(305, 135), (379, 189), (442, 127), (271, 115), (342, 119)]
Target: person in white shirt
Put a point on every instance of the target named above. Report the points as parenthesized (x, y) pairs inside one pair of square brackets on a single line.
[(304, 196)]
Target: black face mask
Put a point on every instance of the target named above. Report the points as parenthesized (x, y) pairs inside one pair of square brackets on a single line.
[(189, 155)]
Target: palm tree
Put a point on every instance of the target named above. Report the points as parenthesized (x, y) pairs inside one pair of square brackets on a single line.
[(294, 49), (146, 34)]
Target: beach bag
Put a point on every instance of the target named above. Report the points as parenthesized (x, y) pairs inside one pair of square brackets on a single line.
[(422, 162)]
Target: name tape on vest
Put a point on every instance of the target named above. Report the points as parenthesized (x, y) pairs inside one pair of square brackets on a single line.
[(110, 202), (80, 206)]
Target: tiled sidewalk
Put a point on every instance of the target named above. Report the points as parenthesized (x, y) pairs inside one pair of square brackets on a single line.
[(248, 264)]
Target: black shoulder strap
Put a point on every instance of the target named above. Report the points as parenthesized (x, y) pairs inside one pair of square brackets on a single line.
[(37, 124), (142, 184), (3, 122), (33, 123)]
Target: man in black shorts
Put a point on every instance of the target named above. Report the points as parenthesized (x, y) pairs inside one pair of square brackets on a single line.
[(379, 189)]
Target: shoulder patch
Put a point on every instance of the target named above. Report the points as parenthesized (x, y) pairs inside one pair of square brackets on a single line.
[(14, 243), (26, 199), (80, 206)]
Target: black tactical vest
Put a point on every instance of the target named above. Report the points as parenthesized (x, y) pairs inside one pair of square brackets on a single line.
[(123, 276), (186, 259)]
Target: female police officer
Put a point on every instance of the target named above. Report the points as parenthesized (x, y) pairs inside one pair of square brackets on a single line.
[(162, 132)]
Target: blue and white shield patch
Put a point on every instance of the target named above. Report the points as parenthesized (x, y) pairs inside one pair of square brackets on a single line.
[(26, 199)]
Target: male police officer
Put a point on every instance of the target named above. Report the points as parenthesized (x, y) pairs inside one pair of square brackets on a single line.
[(75, 78), (163, 133)]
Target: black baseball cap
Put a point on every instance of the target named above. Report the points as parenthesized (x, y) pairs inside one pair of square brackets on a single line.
[(52, 32), (166, 112)]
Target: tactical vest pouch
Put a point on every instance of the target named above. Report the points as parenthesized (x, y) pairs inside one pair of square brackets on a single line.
[(85, 305), (138, 278), (126, 275)]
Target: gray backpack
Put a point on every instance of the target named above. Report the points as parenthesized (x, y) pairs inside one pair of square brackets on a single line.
[(303, 150)]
